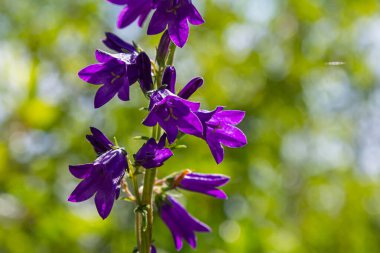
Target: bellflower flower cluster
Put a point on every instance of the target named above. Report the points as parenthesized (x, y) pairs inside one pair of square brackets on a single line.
[(170, 114)]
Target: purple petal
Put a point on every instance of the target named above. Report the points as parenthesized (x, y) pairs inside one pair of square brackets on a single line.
[(170, 129), (231, 136), (99, 141), (194, 17), (85, 189), (93, 74), (127, 16), (119, 2), (82, 170), (179, 31), (190, 124), (123, 93), (151, 119), (144, 72), (105, 94), (191, 87), (158, 22), (104, 198), (232, 117), (216, 149), (102, 56), (169, 78), (115, 43), (210, 180)]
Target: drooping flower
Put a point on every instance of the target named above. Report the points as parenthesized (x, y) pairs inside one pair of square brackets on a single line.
[(102, 177), (219, 128), (116, 72), (202, 183), (180, 223), (134, 9), (173, 113), (152, 154), (175, 14)]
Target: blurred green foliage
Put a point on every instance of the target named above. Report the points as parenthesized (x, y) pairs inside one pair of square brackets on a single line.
[(306, 72)]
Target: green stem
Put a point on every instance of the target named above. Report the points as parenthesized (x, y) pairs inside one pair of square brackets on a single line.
[(172, 48)]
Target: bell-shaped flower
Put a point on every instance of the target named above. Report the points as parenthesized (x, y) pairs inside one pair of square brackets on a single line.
[(180, 223), (173, 113), (102, 177), (152, 154), (219, 128), (116, 72), (174, 14), (203, 183), (134, 9)]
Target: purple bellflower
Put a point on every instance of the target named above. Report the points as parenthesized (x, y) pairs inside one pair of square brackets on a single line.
[(174, 14), (103, 176), (152, 154), (173, 113), (203, 183), (180, 223), (219, 128), (117, 72), (134, 9)]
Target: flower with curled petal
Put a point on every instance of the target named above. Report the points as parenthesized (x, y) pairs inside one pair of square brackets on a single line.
[(219, 128), (180, 223), (102, 177)]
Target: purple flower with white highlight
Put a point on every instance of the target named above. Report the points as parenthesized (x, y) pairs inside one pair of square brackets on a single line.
[(219, 128), (180, 223), (203, 183), (152, 154), (175, 14), (102, 177), (116, 72), (173, 113), (134, 9)]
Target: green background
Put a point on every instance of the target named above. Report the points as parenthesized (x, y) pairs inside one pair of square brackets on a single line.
[(305, 71)]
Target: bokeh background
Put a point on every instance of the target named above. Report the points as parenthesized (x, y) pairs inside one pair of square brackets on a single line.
[(307, 72)]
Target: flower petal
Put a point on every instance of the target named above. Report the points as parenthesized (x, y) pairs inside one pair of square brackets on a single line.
[(191, 87), (105, 197), (99, 141), (151, 119), (231, 136), (127, 16), (82, 170), (232, 117), (179, 30), (113, 42), (93, 74), (190, 124), (105, 94), (169, 78), (194, 17), (158, 22), (85, 189), (144, 72), (216, 149), (123, 93)]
